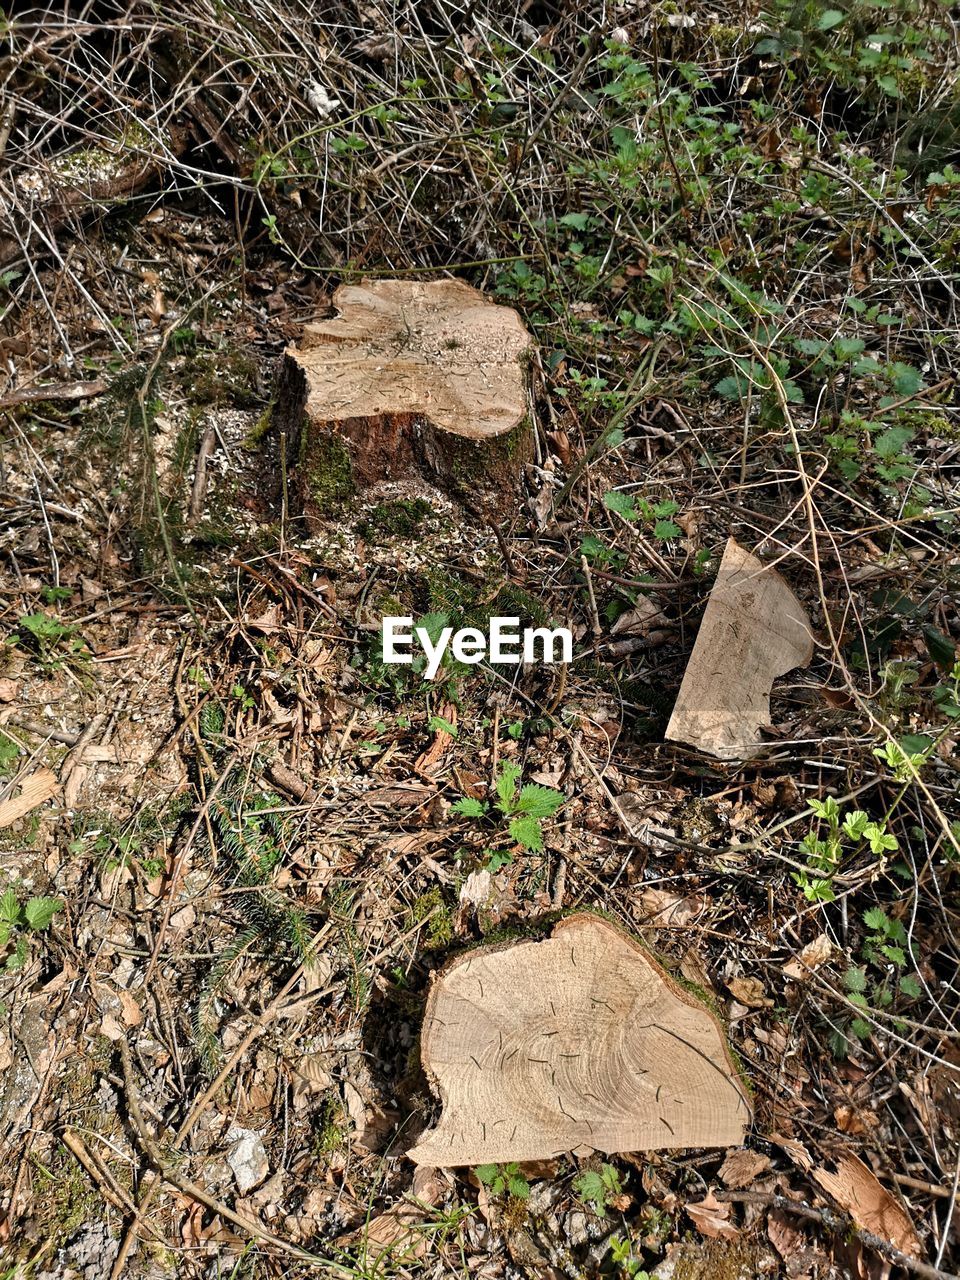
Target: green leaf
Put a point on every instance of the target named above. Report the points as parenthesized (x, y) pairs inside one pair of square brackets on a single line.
[(519, 1186), (889, 85), (433, 624), (855, 823), (589, 1187), (792, 391), (10, 909), (665, 529), (810, 346), (486, 1173), (621, 503), (890, 443), (732, 388), (467, 807), (830, 18), (526, 831), (907, 380), (877, 919), (437, 724), (940, 647), (855, 980), (539, 802), (909, 986), (847, 348), (507, 784), (576, 220), (860, 1028), (40, 911)]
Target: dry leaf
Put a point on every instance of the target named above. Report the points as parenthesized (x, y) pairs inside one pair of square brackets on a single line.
[(742, 1167), (869, 1204), (712, 1219), (813, 955), (130, 1010), (34, 790), (638, 619), (694, 970), (442, 740), (750, 992), (310, 1077), (111, 1028), (8, 689), (668, 910), (754, 629), (268, 622), (579, 1042), (787, 1237), (853, 1120)]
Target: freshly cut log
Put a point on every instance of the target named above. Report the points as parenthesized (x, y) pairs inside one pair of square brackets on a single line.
[(753, 630), (577, 1043), (409, 379)]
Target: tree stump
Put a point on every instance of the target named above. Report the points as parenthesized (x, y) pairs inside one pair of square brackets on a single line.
[(410, 379), (577, 1043)]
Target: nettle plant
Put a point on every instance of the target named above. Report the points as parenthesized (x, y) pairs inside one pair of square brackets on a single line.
[(19, 921), (601, 1189), (54, 643), (879, 982), (523, 808), (503, 1180), (632, 508)]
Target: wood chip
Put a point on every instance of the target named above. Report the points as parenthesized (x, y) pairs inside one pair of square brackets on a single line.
[(34, 790), (754, 629), (53, 391), (577, 1043), (869, 1204)]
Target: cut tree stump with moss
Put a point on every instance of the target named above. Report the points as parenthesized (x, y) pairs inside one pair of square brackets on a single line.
[(577, 1043), (410, 379)]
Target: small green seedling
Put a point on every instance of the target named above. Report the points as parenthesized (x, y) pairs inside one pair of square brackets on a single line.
[(622, 1257), (51, 639), (879, 983), (503, 1179), (18, 921), (524, 809), (599, 1188), (837, 832)]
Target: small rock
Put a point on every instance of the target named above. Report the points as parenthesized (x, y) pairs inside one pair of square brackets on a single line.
[(247, 1157)]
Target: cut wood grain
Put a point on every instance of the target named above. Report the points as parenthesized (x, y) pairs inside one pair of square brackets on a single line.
[(409, 379), (577, 1043), (34, 790), (754, 629), (856, 1189)]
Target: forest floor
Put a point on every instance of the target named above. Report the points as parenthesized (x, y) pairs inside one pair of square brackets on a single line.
[(238, 861)]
